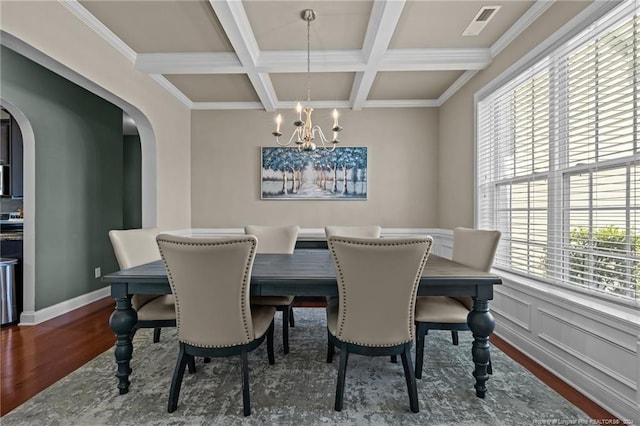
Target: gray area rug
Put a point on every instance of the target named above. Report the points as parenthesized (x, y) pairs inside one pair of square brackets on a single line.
[(298, 390)]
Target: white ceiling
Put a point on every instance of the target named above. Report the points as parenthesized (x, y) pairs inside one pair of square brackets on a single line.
[(251, 54)]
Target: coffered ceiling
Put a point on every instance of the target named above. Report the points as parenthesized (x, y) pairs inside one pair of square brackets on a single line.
[(251, 54)]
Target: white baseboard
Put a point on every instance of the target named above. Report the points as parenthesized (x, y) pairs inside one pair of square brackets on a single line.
[(36, 317)]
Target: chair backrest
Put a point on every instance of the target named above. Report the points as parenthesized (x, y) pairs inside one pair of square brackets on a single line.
[(134, 247), (475, 247), (377, 282), (274, 239), (362, 231), (210, 280)]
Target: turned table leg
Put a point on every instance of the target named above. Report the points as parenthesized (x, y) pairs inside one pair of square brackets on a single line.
[(481, 324), (122, 321)]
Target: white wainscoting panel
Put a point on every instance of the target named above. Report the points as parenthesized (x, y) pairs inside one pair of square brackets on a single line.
[(591, 345)]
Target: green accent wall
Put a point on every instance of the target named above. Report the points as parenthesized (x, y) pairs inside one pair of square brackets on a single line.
[(132, 163), (79, 177)]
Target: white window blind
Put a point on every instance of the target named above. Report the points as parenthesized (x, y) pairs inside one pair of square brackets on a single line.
[(558, 162)]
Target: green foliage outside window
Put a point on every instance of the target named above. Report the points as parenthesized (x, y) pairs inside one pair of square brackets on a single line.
[(602, 259)]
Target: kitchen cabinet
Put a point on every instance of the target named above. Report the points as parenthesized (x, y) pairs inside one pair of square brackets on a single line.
[(16, 160), (11, 157)]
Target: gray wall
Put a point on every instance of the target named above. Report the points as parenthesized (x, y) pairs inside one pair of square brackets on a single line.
[(79, 182), (132, 161), (402, 177)]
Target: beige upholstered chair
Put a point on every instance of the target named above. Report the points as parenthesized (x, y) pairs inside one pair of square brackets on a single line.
[(471, 247), (361, 231), (377, 283), (135, 247), (210, 278), (276, 239)]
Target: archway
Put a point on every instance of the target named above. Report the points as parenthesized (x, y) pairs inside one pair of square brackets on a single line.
[(148, 166)]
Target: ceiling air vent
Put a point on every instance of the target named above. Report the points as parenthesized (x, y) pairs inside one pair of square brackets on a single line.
[(481, 19)]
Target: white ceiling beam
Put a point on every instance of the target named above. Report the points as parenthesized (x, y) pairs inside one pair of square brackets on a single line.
[(382, 24), (403, 103), (189, 63), (226, 105), (435, 59), (235, 22), (400, 103), (321, 61)]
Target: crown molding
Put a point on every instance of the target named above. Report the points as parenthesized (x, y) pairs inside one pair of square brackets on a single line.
[(165, 84), (461, 81), (533, 13), (85, 16)]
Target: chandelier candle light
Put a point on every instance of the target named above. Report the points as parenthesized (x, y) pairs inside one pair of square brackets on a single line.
[(305, 132)]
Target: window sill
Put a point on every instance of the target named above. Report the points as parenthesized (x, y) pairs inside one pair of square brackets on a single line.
[(582, 299)]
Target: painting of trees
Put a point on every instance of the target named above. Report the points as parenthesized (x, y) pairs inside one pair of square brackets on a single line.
[(288, 173)]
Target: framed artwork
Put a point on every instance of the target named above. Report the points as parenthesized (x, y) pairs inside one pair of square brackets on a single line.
[(289, 174)]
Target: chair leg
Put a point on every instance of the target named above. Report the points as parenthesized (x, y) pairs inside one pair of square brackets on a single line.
[(292, 321), (454, 337), (394, 359), (246, 402), (176, 382), (156, 335), (342, 373), (412, 388), (191, 363), (285, 329), (331, 350), (270, 354), (421, 332)]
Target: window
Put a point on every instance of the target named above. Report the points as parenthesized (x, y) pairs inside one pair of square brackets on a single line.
[(558, 162)]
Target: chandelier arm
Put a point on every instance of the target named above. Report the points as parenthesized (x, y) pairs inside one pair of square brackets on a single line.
[(318, 130), (323, 139)]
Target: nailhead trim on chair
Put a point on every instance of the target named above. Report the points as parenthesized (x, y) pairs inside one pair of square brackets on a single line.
[(416, 282), (245, 282)]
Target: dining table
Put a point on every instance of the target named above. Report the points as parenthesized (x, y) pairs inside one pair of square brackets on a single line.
[(309, 272)]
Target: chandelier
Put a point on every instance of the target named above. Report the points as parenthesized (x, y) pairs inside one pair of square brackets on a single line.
[(305, 132)]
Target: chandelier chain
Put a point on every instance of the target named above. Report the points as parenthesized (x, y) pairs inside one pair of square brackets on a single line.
[(308, 62), (305, 132)]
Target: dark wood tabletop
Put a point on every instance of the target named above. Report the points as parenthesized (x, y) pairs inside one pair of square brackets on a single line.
[(312, 273), (308, 272)]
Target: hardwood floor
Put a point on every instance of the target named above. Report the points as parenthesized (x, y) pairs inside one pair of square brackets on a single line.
[(34, 357)]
